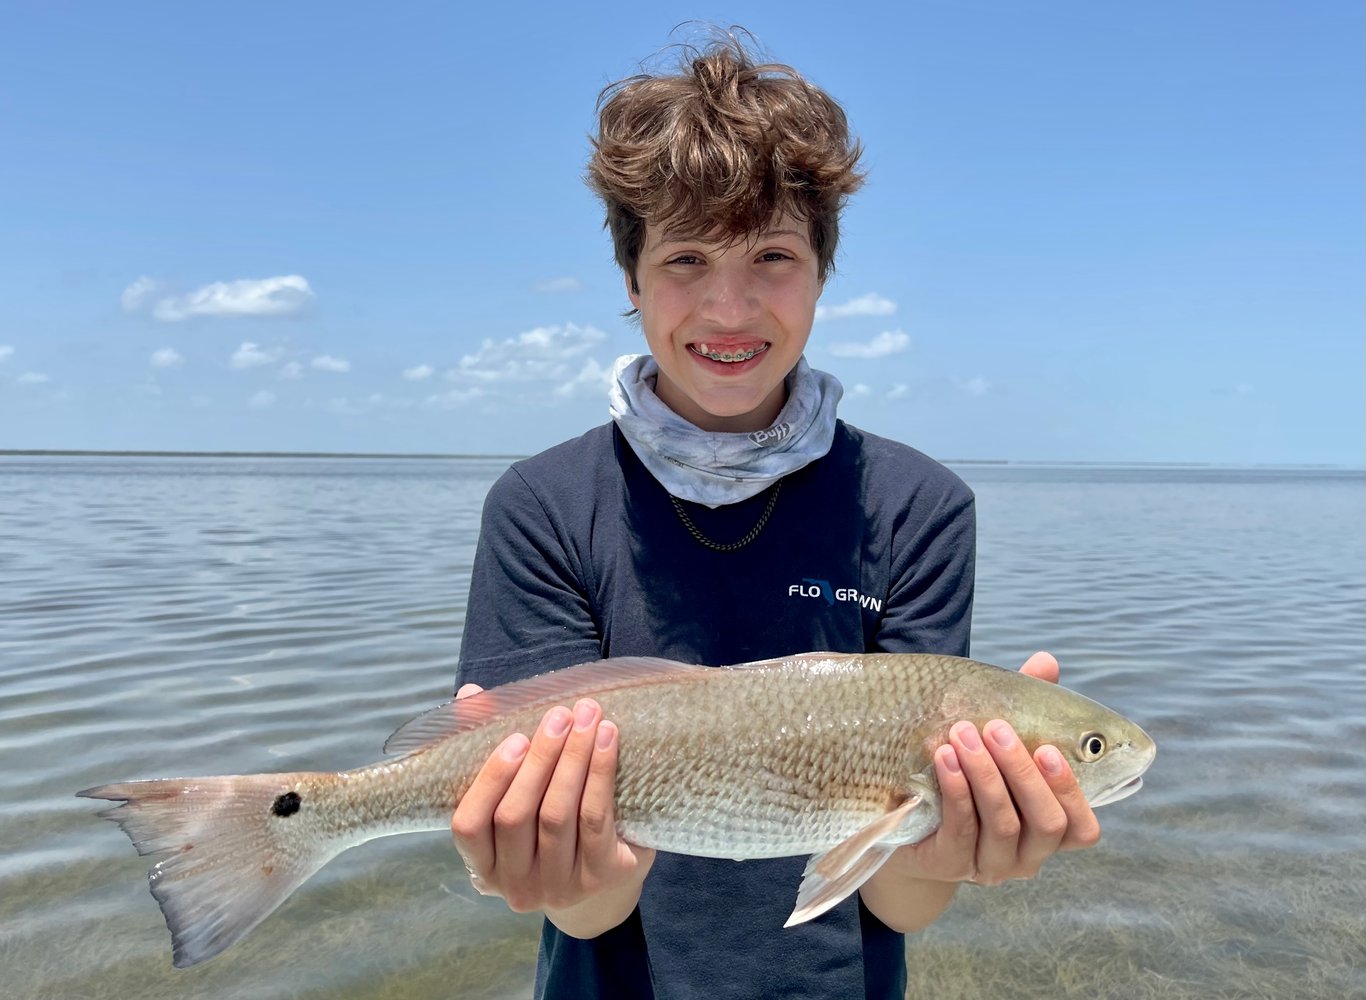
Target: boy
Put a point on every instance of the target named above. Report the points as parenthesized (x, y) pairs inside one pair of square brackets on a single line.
[(680, 529)]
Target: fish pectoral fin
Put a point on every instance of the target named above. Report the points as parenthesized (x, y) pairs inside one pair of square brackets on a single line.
[(831, 877), (818, 894)]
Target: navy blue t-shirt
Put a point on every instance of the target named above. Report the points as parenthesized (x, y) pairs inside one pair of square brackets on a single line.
[(582, 556)]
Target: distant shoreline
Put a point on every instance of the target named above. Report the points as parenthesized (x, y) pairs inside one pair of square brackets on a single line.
[(86, 453), (466, 456)]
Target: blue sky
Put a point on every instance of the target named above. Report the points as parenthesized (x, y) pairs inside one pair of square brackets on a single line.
[(1098, 232)]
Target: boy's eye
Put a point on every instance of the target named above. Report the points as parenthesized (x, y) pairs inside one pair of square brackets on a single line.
[(685, 258), (774, 255)]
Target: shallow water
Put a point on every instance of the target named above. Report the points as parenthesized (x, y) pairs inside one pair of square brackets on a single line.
[(164, 616)]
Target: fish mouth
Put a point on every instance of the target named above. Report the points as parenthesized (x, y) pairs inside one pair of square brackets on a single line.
[(726, 354), (1116, 792)]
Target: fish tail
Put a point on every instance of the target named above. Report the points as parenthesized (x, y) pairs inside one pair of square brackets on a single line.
[(235, 847)]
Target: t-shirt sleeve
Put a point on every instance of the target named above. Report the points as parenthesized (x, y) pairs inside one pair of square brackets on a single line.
[(929, 605), (529, 609)]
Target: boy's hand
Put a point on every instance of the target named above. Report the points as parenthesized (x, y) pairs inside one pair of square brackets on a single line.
[(537, 826)]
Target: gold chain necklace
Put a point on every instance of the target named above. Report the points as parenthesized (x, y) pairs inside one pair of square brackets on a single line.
[(728, 546)]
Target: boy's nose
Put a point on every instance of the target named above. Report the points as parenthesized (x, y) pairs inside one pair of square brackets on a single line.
[(729, 298)]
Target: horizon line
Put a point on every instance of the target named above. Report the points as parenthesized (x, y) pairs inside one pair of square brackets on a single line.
[(447, 456)]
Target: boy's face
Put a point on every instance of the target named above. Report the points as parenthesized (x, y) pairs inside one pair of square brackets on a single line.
[(701, 302)]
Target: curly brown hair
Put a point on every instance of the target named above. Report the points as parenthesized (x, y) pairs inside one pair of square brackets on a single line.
[(721, 149)]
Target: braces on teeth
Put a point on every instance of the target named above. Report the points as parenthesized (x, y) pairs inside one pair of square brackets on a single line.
[(725, 355)]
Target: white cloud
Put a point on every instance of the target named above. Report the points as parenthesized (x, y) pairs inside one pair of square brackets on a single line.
[(453, 398), (5, 352), (327, 363), (251, 355), (279, 296), (899, 391), (347, 406), (859, 390), (32, 378), (344, 406), (884, 345), (167, 357), (593, 379), (136, 295), (976, 386), (545, 353), (262, 400), (871, 304), (551, 286), (291, 369), (418, 372)]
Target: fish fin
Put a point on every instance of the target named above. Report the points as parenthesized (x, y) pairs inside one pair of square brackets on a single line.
[(796, 658), (832, 876), (817, 894), (233, 853), (586, 679)]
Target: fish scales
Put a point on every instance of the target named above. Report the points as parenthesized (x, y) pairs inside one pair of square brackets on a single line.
[(721, 765), (827, 754), (768, 763)]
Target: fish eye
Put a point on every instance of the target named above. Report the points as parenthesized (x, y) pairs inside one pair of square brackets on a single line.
[(1092, 746)]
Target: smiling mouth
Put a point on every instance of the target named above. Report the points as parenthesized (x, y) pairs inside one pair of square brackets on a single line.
[(727, 357)]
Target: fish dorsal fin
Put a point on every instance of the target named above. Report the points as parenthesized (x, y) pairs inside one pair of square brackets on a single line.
[(795, 658), (552, 688)]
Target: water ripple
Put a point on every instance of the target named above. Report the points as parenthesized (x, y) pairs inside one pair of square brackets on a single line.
[(211, 616)]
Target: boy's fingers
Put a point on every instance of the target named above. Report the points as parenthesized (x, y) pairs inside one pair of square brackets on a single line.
[(472, 821), (1041, 815), (1043, 666), (997, 819), (597, 817), (558, 833), (1083, 830), (956, 839), (516, 818)]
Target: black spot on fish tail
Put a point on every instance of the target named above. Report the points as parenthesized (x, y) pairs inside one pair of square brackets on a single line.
[(286, 804)]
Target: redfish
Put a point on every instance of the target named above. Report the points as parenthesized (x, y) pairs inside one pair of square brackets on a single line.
[(826, 754)]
